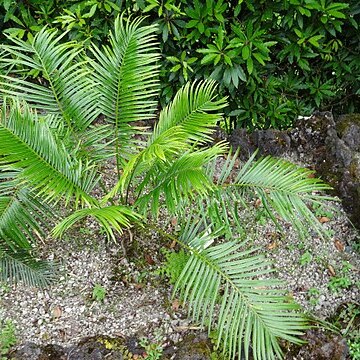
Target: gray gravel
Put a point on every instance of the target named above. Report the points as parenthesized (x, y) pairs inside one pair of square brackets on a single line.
[(136, 302)]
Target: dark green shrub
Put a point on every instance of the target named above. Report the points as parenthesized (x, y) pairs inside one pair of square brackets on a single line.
[(275, 60)]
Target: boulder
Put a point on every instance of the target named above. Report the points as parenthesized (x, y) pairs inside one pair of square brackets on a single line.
[(320, 345), (330, 146)]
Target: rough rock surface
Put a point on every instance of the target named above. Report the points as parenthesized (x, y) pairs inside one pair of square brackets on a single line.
[(321, 346), (331, 147)]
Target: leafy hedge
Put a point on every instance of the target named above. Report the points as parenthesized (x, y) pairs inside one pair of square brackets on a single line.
[(275, 60)]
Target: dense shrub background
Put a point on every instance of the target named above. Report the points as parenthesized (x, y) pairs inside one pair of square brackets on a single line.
[(274, 59)]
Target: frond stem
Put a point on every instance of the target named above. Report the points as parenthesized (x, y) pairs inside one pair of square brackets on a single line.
[(55, 94)]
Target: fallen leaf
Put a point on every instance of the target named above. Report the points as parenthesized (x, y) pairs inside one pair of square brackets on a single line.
[(139, 286), (323, 219), (339, 245), (272, 245), (57, 312), (175, 305), (149, 259), (174, 221), (311, 175), (173, 244), (331, 270), (257, 203)]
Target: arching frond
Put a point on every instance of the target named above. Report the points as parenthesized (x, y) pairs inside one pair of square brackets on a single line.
[(177, 179), (20, 265), (128, 74), (28, 144), (22, 219), (285, 190), (110, 218), (166, 147), (19, 214), (221, 285), (195, 109), (70, 91)]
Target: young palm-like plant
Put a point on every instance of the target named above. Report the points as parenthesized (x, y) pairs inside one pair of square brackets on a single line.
[(52, 150)]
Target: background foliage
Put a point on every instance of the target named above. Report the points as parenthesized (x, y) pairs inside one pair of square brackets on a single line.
[(275, 60)]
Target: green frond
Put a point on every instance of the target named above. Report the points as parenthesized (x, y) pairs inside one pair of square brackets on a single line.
[(26, 143), (110, 218), (21, 266), (164, 149), (18, 220), (22, 219), (195, 109), (21, 213), (221, 286), (177, 179), (284, 189), (128, 74), (70, 91), (96, 143)]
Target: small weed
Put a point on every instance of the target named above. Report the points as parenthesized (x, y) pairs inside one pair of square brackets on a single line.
[(153, 350), (356, 246), (321, 211), (305, 258), (300, 245), (218, 351), (330, 232), (291, 247), (261, 216), (85, 231), (98, 293), (342, 280), (174, 264), (336, 283), (354, 348), (313, 295), (5, 288), (7, 338)]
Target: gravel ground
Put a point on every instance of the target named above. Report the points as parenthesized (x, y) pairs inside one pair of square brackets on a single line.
[(138, 302)]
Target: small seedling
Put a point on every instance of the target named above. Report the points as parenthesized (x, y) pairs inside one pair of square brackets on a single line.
[(153, 350), (98, 293), (300, 245), (313, 295), (305, 258), (7, 338), (174, 264), (341, 281), (321, 211), (85, 231)]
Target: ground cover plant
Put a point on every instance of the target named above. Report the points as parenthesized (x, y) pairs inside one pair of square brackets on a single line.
[(56, 133), (275, 60)]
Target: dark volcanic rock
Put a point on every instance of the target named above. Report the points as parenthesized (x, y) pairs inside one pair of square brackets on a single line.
[(194, 348), (96, 348), (320, 346), (269, 142), (331, 147)]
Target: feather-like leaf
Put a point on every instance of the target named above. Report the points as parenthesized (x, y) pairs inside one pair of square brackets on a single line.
[(110, 218), (28, 144), (252, 312), (71, 91)]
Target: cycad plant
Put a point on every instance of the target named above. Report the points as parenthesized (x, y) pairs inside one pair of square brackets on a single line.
[(56, 134)]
